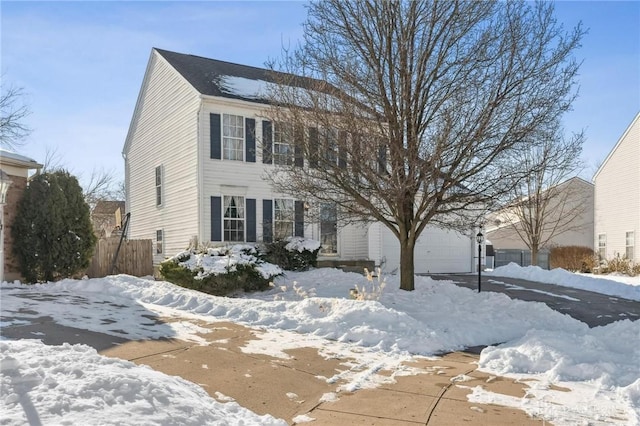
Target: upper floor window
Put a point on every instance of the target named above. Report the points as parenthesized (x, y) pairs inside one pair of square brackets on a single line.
[(233, 227), (282, 144), (232, 137), (602, 246), (159, 179), (629, 244), (284, 219), (329, 143)]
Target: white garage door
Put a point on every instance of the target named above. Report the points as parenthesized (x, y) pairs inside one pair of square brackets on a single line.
[(437, 251)]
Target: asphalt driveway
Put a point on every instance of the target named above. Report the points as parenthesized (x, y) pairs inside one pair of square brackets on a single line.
[(594, 309)]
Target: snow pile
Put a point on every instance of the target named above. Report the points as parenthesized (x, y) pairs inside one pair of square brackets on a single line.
[(305, 308), (223, 260), (73, 384), (559, 276)]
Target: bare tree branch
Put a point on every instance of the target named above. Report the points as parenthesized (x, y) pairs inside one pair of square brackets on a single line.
[(13, 130), (418, 112)]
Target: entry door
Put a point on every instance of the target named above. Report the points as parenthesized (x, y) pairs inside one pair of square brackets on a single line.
[(328, 229)]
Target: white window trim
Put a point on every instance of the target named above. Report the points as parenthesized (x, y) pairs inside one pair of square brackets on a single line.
[(225, 218), (603, 246), (276, 221), (632, 245), (159, 187), (288, 141), (159, 242), (233, 138)]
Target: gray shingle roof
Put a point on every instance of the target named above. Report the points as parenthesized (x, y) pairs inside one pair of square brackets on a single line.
[(209, 76)]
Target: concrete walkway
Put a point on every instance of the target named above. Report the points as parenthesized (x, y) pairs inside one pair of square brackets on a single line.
[(288, 388)]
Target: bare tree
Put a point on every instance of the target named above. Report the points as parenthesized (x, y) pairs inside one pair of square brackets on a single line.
[(13, 130), (101, 185), (549, 202), (416, 112)]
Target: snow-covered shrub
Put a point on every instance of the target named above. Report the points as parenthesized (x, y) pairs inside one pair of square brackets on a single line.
[(220, 270), (293, 253)]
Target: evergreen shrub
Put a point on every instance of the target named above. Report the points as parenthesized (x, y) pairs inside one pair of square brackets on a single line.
[(52, 232)]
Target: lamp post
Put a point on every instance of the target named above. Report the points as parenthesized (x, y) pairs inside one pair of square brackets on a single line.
[(5, 183), (479, 238)]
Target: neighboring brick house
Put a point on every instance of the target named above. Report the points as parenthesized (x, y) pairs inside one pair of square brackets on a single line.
[(195, 155), (107, 217), (617, 198), (18, 167)]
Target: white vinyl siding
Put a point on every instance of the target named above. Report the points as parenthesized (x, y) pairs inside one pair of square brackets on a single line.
[(617, 192), (163, 131)]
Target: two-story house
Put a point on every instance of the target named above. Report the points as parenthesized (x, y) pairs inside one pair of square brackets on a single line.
[(617, 198), (196, 154)]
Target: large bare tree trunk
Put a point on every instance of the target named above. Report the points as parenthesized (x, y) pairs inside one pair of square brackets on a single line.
[(407, 267)]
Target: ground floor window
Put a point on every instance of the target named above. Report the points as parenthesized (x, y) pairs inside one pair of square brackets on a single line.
[(629, 244), (234, 218), (159, 241), (284, 219), (328, 229), (602, 246)]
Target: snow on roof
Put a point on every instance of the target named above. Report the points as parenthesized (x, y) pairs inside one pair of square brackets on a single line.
[(14, 158)]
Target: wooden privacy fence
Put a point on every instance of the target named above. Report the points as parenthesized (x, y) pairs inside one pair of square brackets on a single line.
[(135, 258)]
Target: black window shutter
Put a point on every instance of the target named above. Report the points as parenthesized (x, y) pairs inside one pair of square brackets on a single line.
[(216, 146), (251, 220), (267, 139), (313, 147), (216, 218), (250, 139), (299, 219), (298, 135), (267, 221)]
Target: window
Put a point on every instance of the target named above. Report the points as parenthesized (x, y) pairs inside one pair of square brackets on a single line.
[(159, 186), (328, 229), (159, 241), (232, 137), (284, 217), (629, 243), (233, 218), (282, 146), (329, 142), (602, 246)]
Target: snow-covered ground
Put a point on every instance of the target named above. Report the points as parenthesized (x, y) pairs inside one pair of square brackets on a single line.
[(601, 366)]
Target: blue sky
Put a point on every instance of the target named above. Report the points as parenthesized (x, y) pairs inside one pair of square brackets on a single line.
[(81, 64)]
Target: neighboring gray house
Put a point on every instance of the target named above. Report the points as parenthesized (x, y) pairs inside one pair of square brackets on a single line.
[(195, 155), (572, 192), (617, 198)]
